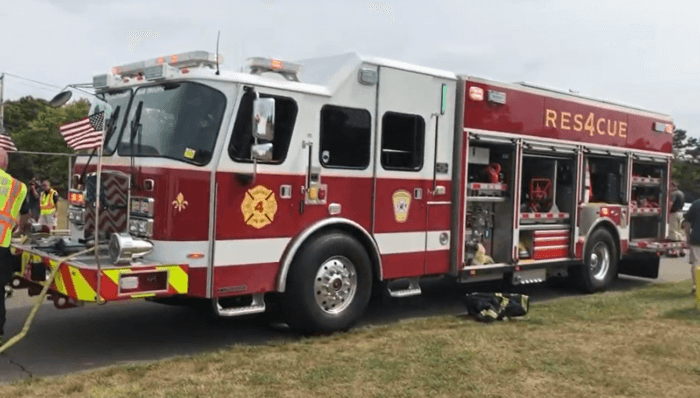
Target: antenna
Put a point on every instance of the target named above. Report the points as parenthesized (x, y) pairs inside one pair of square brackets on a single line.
[(217, 52)]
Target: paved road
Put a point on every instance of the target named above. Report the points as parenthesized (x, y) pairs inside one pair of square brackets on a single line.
[(67, 341)]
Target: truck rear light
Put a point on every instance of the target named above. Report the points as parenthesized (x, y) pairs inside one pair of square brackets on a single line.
[(321, 194)]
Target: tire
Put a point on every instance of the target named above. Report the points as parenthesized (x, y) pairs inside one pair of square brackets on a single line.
[(599, 268), (328, 286)]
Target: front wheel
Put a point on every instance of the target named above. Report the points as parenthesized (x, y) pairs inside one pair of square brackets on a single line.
[(600, 263), (329, 284)]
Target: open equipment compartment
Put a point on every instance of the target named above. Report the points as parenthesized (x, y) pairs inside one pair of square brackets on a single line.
[(646, 202), (489, 192), (548, 189)]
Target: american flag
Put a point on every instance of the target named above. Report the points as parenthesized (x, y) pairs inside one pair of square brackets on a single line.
[(86, 133), (6, 143)]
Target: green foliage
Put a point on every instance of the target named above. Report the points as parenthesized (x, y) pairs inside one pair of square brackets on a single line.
[(686, 164), (33, 125)]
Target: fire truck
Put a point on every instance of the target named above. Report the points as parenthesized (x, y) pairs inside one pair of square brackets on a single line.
[(315, 184)]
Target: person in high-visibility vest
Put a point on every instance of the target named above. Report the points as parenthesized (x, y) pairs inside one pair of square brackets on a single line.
[(47, 204), (12, 204)]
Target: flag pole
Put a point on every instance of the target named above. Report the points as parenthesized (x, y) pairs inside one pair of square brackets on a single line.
[(97, 222)]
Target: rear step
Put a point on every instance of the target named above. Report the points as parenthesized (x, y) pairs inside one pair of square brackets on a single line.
[(412, 290), (256, 306)]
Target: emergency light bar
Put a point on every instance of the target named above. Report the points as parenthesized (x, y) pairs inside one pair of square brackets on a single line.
[(157, 68), (259, 65)]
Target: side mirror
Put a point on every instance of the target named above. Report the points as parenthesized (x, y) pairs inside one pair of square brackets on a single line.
[(264, 118), (61, 98), (262, 152)]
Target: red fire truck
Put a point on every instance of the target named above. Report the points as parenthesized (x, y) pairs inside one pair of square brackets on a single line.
[(311, 184)]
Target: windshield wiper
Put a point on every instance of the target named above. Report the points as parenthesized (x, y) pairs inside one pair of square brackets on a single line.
[(135, 129), (108, 134)]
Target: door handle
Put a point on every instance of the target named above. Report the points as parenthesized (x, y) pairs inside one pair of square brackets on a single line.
[(418, 193)]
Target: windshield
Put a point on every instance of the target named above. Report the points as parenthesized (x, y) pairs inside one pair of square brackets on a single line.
[(117, 102), (178, 120)]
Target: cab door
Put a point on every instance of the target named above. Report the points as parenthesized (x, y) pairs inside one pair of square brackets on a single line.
[(408, 108)]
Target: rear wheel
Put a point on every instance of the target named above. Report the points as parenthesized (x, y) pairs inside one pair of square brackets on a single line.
[(600, 263), (329, 284)]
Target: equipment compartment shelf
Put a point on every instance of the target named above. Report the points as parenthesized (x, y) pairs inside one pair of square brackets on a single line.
[(486, 199), (538, 227), (482, 186), (645, 181), (535, 217), (645, 211)]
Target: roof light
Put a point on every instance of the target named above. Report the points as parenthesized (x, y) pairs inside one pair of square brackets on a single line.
[(276, 64), (184, 60), (260, 65)]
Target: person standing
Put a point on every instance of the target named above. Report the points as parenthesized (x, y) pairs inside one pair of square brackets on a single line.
[(691, 225), (675, 229), (47, 203), (12, 198), (33, 199)]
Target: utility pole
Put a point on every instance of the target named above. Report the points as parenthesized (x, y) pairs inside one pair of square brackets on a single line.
[(2, 104)]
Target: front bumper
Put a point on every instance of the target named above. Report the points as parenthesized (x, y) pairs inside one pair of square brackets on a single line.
[(81, 280)]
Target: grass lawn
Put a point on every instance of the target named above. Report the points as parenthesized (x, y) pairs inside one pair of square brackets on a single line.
[(642, 343)]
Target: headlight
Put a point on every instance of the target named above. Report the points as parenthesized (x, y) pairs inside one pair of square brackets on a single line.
[(141, 227), (133, 227), (76, 216), (142, 207)]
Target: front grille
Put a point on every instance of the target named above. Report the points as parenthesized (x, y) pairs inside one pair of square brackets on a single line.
[(114, 194)]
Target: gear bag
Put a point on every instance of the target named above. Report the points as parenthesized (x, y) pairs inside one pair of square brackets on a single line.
[(489, 307)]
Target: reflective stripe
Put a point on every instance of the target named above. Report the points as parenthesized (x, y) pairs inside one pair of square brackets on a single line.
[(178, 278)]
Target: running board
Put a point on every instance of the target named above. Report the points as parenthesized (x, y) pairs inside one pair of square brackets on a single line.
[(257, 306), (412, 290), (529, 277)]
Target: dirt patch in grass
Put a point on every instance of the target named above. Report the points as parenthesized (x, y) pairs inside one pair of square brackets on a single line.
[(643, 343)]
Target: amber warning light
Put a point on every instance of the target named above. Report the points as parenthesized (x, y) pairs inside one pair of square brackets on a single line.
[(76, 199)]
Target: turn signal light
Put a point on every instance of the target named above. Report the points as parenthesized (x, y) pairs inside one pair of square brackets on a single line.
[(76, 198)]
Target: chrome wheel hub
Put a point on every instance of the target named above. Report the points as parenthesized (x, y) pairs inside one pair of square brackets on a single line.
[(335, 284), (599, 261)]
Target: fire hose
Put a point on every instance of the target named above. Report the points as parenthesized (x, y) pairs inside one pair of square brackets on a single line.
[(30, 318)]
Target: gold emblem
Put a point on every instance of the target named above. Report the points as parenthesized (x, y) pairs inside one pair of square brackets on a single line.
[(180, 202), (402, 203), (259, 207)]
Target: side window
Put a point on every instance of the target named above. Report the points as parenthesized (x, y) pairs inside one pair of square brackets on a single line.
[(345, 137), (403, 141), (242, 139)]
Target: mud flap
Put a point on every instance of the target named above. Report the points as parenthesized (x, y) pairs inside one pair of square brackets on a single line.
[(641, 264)]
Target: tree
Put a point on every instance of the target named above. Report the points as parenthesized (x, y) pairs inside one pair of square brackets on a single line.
[(33, 125), (686, 164)]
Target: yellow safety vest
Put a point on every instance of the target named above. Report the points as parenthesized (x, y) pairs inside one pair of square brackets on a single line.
[(12, 193), (46, 203)]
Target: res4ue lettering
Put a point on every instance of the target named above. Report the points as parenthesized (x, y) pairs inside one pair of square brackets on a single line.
[(585, 123)]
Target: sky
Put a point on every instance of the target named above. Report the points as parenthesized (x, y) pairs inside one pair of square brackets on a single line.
[(638, 52)]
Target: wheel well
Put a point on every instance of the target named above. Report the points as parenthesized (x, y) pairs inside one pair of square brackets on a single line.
[(345, 226), (613, 232), (367, 242)]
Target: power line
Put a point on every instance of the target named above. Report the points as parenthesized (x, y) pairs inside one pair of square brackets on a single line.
[(35, 81)]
